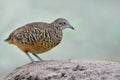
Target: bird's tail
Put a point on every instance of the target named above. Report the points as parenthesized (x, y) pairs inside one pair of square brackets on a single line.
[(6, 40)]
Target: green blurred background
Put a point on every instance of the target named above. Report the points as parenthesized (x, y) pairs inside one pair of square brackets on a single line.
[(96, 35)]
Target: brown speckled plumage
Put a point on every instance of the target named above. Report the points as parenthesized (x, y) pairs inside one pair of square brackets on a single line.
[(38, 37)]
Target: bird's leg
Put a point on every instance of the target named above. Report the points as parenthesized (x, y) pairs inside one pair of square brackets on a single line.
[(37, 57), (30, 57)]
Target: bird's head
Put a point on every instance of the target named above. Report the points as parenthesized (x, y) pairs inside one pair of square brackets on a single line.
[(62, 23)]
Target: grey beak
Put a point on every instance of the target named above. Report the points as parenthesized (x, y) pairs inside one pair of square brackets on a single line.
[(71, 27)]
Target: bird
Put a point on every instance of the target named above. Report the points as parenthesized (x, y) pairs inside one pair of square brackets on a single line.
[(38, 37)]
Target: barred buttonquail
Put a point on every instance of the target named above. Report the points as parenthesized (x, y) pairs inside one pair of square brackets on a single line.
[(38, 37)]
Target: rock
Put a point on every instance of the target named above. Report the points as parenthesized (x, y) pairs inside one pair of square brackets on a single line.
[(67, 70)]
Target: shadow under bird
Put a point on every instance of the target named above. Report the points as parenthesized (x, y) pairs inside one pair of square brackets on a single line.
[(38, 37)]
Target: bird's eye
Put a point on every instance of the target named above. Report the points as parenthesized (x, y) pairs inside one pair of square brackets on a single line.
[(64, 23)]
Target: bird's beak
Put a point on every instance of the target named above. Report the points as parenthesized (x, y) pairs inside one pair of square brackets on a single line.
[(71, 27)]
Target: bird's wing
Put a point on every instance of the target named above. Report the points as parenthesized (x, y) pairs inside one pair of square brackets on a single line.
[(30, 33)]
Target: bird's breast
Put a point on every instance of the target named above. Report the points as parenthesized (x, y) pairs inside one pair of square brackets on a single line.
[(51, 39)]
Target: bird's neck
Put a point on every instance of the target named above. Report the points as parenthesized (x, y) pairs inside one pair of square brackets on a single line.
[(55, 26)]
